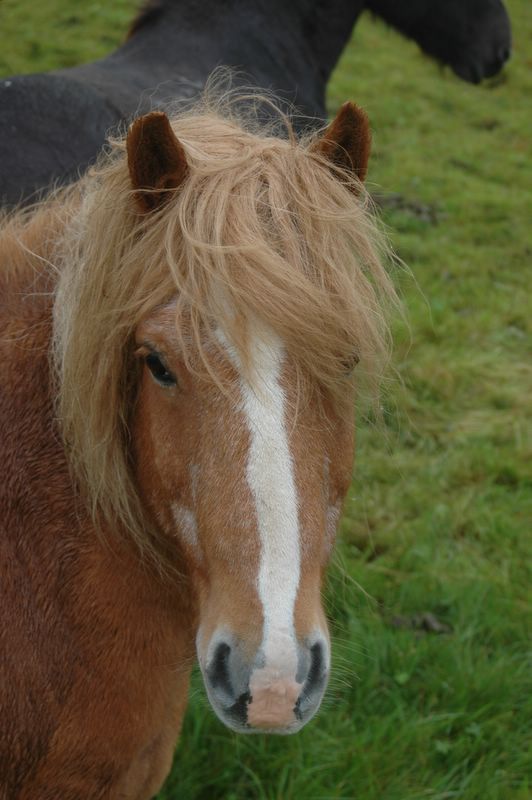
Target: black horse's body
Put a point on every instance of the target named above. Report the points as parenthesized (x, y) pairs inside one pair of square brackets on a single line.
[(53, 125)]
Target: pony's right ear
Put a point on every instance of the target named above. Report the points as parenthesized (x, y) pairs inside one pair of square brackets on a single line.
[(156, 160)]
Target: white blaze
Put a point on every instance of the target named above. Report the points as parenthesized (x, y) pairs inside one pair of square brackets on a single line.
[(270, 475)]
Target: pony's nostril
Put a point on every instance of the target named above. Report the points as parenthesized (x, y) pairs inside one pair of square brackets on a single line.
[(238, 711), (218, 670), (315, 681), (317, 666)]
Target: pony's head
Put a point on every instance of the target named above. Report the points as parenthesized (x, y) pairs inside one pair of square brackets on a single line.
[(216, 295)]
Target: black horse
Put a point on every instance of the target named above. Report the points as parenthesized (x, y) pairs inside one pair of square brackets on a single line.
[(52, 125)]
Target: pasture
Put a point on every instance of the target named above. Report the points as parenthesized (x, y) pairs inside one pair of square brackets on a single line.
[(430, 695)]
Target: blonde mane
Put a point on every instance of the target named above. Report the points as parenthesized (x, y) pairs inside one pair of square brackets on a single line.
[(263, 226)]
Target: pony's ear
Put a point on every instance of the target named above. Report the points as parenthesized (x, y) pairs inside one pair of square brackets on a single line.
[(347, 140), (156, 159)]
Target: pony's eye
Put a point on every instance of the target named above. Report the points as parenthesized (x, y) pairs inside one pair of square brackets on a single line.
[(159, 371)]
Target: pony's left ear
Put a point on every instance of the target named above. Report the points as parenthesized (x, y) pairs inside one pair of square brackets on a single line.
[(347, 140), (156, 159)]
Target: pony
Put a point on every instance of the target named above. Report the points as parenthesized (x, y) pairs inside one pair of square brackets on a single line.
[(180, 331), (290, 48)]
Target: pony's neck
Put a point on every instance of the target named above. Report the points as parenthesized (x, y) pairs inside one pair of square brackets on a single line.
[(27, 242), (289, 47)]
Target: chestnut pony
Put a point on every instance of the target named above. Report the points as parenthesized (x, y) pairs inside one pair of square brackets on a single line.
[(178, 335)]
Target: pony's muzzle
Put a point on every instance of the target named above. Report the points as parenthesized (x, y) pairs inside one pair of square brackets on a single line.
[(265, 697)]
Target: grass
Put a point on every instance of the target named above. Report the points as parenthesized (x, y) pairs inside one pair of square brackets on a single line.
[(439, 514)]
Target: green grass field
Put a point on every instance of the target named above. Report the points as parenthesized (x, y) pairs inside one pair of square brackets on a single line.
[(438, 519)]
